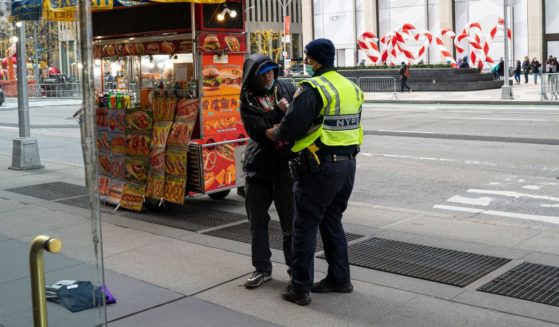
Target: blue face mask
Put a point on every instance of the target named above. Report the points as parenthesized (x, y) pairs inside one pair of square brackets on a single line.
[(309, 69)]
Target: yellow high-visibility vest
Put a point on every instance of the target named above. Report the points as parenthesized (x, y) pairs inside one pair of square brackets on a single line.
[(341, 111)]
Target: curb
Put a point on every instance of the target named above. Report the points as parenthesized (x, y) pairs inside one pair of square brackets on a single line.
[(502, 102)]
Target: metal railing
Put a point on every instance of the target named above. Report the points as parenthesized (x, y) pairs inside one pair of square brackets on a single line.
[(385, 84), (379, 84), (549, 86), (59, 90)]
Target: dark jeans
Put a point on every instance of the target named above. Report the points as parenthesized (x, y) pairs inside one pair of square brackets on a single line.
[(259, 194), (405, 84), (526, 73), (320, 200)]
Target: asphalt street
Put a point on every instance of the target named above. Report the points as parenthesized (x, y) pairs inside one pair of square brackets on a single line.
[(496, 163)]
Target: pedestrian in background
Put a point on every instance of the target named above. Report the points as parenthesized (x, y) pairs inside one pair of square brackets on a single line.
[(549, 65), (264, 101), (517, 71), (535, 68), (404, 75), (501, 69), (324, 121), (464, 63), (526, 68)]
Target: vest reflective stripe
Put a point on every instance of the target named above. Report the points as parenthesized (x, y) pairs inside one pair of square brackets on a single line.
[(336, 95), (342, 104), (341, 123)]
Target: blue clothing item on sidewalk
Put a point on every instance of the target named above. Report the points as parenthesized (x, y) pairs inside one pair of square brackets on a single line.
[(320, 200), (78, 295)]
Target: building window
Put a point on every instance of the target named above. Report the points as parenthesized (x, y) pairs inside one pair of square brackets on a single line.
[(295, 39)]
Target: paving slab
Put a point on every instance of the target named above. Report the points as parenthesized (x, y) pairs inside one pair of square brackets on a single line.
[(33, 220), (180, 266), (510, 305), (132, 296), (14, 259), (191, 312), (378, 218), (430, 312), (9, 205), (546, 242), (139, 225), (466, 231), (366, 304)]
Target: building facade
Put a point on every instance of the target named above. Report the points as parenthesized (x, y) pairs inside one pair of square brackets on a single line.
[(265, 24), (535, 25)]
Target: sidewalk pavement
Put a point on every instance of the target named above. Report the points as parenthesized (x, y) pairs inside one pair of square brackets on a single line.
[(524, 94), (163, 276)]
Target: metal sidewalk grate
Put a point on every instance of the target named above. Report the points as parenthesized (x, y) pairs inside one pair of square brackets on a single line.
[(528, 281), (241, 233), (424, 262), (51, 191), (186, 217), (83, 202)]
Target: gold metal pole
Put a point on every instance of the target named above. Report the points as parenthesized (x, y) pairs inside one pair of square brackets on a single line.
[(37, 267)]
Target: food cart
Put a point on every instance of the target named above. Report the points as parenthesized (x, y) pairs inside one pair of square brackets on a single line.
[(168, 78)]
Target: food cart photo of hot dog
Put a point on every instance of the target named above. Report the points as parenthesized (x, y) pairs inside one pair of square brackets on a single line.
[(168, 79)]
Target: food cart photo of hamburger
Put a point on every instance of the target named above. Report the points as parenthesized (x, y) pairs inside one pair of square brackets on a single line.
[(168, 88)]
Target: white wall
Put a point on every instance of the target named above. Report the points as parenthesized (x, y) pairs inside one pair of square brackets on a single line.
[(335, 20), (551, 16)]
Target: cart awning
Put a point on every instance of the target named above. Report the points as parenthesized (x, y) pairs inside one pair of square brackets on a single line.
[(56, 10)]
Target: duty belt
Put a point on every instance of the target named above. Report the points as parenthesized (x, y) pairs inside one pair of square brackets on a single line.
[(335, 157)]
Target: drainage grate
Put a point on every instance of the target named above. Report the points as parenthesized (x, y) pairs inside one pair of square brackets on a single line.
[(83, 202), (51, 191), (186, 217), (424, 262), (241, 233), (528, 281)]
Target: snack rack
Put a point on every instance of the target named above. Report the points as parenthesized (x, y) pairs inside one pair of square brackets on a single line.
[(168, 116)]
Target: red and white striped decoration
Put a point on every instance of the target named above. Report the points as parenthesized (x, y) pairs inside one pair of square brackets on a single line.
[(428, 37), (447, 55), (369, 43)]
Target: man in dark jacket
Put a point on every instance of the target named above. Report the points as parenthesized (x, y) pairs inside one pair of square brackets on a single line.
[(264, 101)]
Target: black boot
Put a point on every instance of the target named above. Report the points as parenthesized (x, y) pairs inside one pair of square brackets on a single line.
[(300, 298)]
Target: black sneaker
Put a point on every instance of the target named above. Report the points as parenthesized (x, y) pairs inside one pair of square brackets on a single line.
[(325, 286), (257, 279), (300, 298)]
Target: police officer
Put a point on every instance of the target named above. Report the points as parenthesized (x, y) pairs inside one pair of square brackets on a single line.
[(324, 122)]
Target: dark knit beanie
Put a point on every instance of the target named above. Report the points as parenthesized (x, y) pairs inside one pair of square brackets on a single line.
[(322, 51)]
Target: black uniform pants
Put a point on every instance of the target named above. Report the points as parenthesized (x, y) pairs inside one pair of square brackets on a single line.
[(320, 200), (259, 195)]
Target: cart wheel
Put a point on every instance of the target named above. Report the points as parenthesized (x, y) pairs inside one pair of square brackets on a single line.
[(219, 195)]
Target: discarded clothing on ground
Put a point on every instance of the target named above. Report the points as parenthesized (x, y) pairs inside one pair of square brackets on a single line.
[(78, 295)]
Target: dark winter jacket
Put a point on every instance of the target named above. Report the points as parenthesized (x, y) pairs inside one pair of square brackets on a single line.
[(535, 67), (262, 156)]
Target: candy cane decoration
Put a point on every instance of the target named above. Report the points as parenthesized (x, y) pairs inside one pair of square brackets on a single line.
[(444, 51), (389, 53), (472, 34), (491, 37), (428, 41), (368, 42)]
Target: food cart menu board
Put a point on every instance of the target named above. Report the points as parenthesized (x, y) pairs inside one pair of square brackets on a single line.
[(219, 167), (222, 42), (222, 76)]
